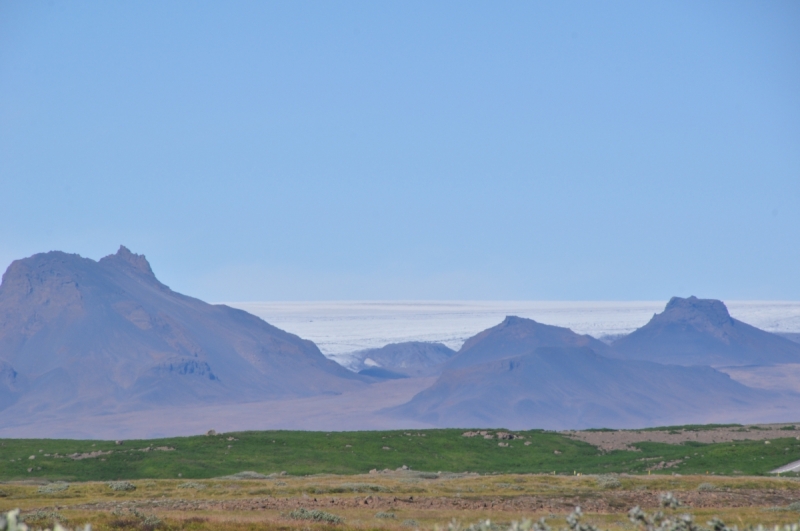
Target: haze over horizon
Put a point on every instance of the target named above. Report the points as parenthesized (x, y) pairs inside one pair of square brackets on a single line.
[(522, 151)]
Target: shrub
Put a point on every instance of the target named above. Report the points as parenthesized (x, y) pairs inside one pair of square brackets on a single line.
[(384, 515), (247, 474), (669, 501), (191, 485), (41, 516), (121, 485), (315, 515), (147, 522), (608, 481), (349, 487), (410, 523), (10, 521), (706, 487), (58, 486)]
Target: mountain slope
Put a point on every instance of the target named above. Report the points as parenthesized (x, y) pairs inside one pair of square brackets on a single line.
[(559, 388), (696, 331), (516, 336), (103, 336), (411, 358)]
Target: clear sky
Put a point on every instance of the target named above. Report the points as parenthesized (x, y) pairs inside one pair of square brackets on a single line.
[(409, 150)]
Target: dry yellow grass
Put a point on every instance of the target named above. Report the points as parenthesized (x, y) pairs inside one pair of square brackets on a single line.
[(236, 505)]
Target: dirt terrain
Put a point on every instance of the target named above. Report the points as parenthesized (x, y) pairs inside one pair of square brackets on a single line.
[(623, 439), (398, 500), (610, 502)]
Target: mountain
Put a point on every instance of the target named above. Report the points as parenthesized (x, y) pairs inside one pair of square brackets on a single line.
[(573, 388), (82, 336), (516, 336), (398, 360), (791, 336), (696, 331)]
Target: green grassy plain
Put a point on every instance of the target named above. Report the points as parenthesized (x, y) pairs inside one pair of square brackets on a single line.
[(304, 453)]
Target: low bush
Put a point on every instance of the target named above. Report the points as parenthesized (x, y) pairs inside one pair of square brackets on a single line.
[(11, 521), (348, 487), (58, 486), (41, 515), (608, 481), (315, 515), (191, 485), (121, 485)]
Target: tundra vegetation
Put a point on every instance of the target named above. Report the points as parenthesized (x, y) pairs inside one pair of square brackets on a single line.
[(452, 480), (254, 455)]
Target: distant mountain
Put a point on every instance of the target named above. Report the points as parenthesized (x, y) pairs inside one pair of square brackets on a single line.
[(516, 336), (559, 388), (80, 336), (696, 331), (791, 336), (409, 359)]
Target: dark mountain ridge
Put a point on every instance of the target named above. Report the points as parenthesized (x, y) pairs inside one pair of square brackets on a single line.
[(81, 335)]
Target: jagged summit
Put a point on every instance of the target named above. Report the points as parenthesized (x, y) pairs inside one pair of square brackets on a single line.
[(692, 331), (699, 311), (125, 259)]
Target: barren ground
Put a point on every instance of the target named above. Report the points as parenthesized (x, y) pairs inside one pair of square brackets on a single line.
[(623, 439)]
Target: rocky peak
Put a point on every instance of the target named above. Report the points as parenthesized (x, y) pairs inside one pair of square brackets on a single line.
[(513, 320), (125, 259), (709, 311)]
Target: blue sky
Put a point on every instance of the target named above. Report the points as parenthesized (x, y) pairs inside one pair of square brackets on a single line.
[(409, 150)]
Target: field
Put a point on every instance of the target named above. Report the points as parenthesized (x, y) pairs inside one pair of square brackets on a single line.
[(400, 480), (303, 453), (397, 500)]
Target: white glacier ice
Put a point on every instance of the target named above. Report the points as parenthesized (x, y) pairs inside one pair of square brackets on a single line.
[(341, 327)]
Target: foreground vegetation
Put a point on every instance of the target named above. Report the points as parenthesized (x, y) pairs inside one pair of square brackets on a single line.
[(407, 500), (303, 453)]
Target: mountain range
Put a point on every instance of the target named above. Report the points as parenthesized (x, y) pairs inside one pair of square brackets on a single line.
[(569, 387), (106, 344)]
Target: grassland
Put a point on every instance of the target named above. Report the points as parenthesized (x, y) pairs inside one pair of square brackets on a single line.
[(398, 500), (345, 453)]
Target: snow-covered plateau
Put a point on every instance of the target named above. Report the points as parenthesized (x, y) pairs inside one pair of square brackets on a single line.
[(341, 327)]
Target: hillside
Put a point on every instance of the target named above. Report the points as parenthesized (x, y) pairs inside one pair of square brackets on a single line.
[(408, 359), (516, 336), (79, 336), (576, 388)]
